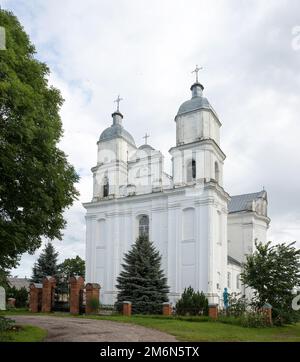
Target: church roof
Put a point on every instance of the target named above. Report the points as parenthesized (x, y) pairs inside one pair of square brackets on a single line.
[(115, 131), (146, 147), (194, 104), (243, 202), (231, 260)]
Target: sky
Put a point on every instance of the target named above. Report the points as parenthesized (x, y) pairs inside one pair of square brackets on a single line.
[(145, 51)]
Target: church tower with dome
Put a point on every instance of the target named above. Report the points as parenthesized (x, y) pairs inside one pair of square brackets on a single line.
[(202, 233)]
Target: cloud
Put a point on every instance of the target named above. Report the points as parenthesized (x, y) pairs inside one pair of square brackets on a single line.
[(146, 51)]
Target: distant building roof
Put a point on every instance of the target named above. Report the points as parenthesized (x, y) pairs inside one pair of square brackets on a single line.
[(244, 202), (19, 282), (231, 260)]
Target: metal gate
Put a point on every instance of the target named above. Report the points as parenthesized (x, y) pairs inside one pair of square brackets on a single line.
[(61, 297)]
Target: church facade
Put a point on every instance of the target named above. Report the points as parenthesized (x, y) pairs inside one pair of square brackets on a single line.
[(202, 233)]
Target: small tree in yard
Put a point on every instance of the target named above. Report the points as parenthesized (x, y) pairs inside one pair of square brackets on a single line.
[(192, 303), (273, 272), (142, 281)]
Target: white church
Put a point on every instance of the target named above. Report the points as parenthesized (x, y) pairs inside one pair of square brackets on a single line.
[(202, 232)]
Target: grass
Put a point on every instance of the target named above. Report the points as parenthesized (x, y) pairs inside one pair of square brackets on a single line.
[(197, 329), (25, 334), (201, 330)]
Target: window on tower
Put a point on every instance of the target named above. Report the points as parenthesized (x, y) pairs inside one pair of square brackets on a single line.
[(217, 172), (191, 170), (105, 187), (144, 225)]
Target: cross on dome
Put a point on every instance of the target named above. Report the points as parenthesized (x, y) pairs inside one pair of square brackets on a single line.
[(196, 70), (118, 100), (146, 137)]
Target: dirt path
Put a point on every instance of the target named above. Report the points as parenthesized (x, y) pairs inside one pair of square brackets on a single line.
[(64, 329)]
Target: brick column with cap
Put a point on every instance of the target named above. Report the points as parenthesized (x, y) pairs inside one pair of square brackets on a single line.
[(213, 311), (167, 308), (49, 284), (267, 312), (127, 308), (35, 297), (92, 291), (76, 287)]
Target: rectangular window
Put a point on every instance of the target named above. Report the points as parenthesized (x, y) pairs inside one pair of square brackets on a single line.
[(228, 280), (238, 281)]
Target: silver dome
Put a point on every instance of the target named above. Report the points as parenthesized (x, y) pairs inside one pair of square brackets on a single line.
[(115, 131), (146, 147), (194, 104)]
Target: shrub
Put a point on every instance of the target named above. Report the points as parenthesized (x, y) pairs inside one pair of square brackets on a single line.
[(237, 305), (192, 303), (248, 319), (94, 304), (21, 296), (253, 320), (5, 324)]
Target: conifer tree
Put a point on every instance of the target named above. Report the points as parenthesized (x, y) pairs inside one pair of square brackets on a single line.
[(46, 264), (142, 281)]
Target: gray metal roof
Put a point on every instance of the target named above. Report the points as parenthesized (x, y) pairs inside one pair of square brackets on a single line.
[(18, 282), (194, 104), (231, 260), (115, 131), (146, 147), (244, 202)]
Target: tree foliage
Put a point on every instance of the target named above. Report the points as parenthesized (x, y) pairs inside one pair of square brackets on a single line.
[(36, 181), (72, 267), (273, 272), (142, 281), (45, 265), (21, 295), (192, 303)]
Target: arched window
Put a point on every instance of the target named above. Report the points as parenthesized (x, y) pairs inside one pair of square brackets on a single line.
[(105, 187), (217, 172), (191, 171), (144, 226)]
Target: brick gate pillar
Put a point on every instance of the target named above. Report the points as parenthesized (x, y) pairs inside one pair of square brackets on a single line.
[(76, 285), (127, 308), (92, 291), (167, 308), (213, 311), (49, 284), (35, 297)]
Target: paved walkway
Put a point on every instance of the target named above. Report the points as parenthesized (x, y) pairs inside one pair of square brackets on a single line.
[(65, 329)]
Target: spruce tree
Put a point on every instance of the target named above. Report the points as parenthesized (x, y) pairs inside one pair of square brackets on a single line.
[(142, 281), (46, 264)]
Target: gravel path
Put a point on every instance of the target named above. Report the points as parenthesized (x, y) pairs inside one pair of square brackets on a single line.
[(64, 329)]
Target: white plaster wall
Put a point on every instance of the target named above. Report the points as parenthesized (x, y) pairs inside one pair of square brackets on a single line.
[(235, 272), (243, 229), (192, 126), (189, 257)]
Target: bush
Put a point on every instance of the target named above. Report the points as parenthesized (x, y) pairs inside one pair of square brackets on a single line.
[(192, 303), (21, 296), (5, 324), (248, 319), (253, 320), (237, 305), (94, 304)]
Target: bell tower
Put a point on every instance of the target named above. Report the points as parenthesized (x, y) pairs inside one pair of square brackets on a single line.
[(197, 155)]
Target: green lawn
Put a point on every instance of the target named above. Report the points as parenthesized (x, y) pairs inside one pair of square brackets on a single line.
[(25, 334), (196, 329)]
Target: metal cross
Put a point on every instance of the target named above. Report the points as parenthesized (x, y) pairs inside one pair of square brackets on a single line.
[(146, 137), (118, 100), (196, 71)]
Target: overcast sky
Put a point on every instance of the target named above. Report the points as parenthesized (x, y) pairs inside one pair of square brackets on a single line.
[(146, 50)]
